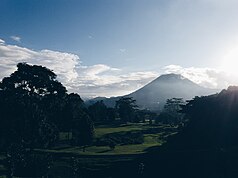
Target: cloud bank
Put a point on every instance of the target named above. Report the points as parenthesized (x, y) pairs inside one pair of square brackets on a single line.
[(88, 81), (206, 77), (101, 79)]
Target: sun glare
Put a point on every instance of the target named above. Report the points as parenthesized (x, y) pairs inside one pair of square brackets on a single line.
[(230, 66), (230, 62)]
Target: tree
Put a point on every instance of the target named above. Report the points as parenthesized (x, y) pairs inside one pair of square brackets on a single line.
[(98, 111), (83, 130), (73, 107), (212, 122), (126, 107), (111, 114), (78, 121), (32, 80), (34, 107), (171, 113), (27, 99)]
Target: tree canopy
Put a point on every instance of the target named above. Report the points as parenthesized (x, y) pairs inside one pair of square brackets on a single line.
[(213, 122), (99, 112), (126, 107), (171, 113), (32, 80), (34, 107)]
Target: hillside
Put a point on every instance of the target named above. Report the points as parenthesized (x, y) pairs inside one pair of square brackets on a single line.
[(154, 95)]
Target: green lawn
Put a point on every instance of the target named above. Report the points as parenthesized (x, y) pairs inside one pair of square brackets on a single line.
[(101, 159), (150, 140), (104, 129)]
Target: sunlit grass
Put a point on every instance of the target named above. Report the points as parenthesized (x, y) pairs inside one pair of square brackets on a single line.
[(150, 140), (103, 130)]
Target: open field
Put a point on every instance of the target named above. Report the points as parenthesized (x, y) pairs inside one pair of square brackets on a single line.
[(152, 135), (102, 160)]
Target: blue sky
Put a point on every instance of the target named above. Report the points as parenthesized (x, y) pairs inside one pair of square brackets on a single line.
[(122, 44)]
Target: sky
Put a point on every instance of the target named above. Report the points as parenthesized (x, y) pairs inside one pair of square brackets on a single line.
[(113, 47)]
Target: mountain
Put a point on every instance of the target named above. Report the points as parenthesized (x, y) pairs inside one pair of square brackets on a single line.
[(153, 96)]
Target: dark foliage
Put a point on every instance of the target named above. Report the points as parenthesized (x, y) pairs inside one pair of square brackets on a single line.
[(34, 107), (213, 122), (171, 113), (29, 100), (207, 146), (25, 163), (127, 108), (99, 112), (83, 130)]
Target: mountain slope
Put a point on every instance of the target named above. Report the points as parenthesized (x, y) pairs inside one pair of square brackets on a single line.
[(153, 96)]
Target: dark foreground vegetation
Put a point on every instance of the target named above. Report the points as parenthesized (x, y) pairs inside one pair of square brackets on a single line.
[(207, 146), (47, 132)]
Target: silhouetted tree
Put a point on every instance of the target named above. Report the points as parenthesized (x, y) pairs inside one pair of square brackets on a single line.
[(34, 107), (83, 130), (126, 107), (78, 121), (73, 108), (171, 113), (98, 111), (212, 122), (32, 80), (111, 114), (26, 97)]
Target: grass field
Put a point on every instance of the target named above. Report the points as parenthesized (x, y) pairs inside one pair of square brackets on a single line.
[(150, 140), (101, 159)]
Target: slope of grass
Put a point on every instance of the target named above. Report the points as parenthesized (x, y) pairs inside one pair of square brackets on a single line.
[(106, 129), (153, 136)]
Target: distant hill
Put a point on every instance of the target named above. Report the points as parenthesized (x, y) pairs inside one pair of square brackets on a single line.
[(154, 95)]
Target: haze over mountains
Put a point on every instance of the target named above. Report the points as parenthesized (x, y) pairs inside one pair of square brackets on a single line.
[(153, 96)]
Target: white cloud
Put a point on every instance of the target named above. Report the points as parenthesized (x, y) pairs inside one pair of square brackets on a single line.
[(2, 41), (122, 50), (90, 37), (88, 81), (206, 77), (16, 38), (101, 79), (62, 63)]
